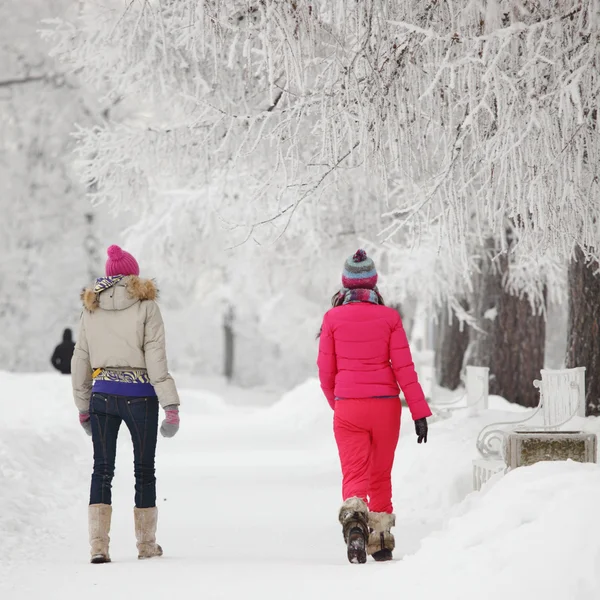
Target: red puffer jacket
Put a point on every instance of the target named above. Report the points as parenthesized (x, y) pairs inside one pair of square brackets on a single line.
[(364, 353)]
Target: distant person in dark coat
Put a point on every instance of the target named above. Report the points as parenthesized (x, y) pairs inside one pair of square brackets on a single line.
[(61, 359)]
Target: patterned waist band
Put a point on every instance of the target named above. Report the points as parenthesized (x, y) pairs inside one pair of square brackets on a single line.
[(123, 382), (122, 375)]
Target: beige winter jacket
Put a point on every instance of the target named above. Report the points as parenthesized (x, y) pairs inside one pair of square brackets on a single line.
[(121, 328)]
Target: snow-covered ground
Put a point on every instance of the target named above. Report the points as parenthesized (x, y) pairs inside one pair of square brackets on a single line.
[(248, 498)]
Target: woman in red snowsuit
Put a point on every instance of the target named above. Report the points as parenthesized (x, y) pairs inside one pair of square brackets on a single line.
[(364, 358)]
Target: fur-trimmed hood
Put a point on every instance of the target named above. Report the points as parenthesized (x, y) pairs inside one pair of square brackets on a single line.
[(118, 293)]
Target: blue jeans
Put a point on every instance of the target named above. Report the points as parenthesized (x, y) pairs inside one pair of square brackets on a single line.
[(141, 417)]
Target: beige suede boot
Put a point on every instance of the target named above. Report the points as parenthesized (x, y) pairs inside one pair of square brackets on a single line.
[(99, 527), (353, 517), (381, 540), (145, 532)]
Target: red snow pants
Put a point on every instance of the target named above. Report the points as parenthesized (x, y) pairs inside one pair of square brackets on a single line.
[(367, 431)]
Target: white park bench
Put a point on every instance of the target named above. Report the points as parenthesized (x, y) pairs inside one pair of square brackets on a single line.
[(476, 395), (562, 397)]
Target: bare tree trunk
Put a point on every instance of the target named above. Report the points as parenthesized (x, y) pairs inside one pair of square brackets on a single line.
[(487, 294), (228, 367), (583, 344), (511, 338), (452, 340), (91, 247), (519, 351)]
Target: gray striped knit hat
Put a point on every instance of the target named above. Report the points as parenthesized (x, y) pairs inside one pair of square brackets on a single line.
[(359, 272)]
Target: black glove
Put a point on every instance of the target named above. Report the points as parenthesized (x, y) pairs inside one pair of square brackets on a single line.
[(421, 429)]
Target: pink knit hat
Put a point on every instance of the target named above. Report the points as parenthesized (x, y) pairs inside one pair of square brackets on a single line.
[(120, 263)]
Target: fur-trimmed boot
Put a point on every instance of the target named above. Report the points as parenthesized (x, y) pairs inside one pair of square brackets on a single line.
[(381, 540), (145, 532), (354, 516), (99, 516)]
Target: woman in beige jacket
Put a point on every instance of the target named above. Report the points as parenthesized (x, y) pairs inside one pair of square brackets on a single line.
[(120, 374)]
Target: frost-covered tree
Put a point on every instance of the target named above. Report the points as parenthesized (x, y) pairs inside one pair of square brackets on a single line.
[(43, 206), (494, 316), (279, 287), (470, 119), (485, 107)]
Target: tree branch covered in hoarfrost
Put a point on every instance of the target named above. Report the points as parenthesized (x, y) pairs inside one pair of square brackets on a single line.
[(474, 117)]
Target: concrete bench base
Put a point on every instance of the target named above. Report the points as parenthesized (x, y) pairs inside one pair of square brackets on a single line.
[(524, 448)]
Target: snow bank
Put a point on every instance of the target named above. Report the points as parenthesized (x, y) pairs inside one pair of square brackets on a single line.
[(303, 407), (43, 452), (231, 394), (197, 402), (534, 534)]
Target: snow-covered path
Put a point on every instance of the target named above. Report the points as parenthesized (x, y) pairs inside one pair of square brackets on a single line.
[(247, 505), (248, 501)]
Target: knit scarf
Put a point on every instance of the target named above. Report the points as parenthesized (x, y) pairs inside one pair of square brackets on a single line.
[(358, 295)]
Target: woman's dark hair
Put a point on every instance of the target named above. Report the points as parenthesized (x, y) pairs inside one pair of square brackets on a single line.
[(337, 299)]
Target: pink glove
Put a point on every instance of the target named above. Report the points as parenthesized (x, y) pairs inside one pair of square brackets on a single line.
[(84, 421), (170, 425)]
